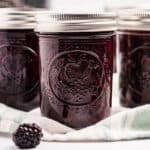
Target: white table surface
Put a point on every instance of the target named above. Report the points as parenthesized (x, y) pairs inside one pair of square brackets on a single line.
[(7, 144)]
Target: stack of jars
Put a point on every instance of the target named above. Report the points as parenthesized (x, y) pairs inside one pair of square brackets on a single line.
[(74, 68), (64, 63)]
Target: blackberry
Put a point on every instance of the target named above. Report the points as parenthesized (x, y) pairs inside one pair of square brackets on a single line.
[(27, 136)]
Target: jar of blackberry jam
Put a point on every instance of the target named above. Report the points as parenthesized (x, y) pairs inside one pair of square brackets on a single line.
[(19, 75), (134, 50), (76, 54)]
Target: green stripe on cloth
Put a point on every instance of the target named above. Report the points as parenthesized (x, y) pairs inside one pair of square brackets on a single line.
[(142, 119)]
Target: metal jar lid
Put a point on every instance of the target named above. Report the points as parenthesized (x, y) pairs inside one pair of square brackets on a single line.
[(75, 21), (134, 20), (13, 18)]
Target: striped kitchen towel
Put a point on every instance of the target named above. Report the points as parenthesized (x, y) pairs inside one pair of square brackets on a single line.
[(126, 125)]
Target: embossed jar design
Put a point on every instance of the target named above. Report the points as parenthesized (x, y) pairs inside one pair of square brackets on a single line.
[(76, 53), (19, 68), (134, 49)]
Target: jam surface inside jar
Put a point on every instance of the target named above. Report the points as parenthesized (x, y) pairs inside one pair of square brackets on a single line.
[(134, 48), (19, 69), (76, 76)]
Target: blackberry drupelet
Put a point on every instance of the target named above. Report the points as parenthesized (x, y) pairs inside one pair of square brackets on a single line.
[(27, 136)]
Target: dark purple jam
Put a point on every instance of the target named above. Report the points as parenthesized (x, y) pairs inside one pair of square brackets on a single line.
[(76, 77), (114, 56), (19, 69), (134, 47)]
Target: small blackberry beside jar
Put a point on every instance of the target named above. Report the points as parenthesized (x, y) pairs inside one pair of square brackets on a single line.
[(134, 50), (76, 53), (19, 60)]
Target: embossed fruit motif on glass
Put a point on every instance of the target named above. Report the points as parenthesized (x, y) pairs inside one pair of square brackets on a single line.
[(76, 77)]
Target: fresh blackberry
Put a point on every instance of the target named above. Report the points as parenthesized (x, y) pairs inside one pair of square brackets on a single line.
[(27, 136)]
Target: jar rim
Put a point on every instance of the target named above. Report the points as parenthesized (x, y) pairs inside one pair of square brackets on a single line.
[(75, 21), (17, 18), (135, 19)]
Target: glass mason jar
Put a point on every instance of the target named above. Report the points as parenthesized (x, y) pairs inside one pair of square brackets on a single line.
[(76, 54), (134, 50), (19, 68)]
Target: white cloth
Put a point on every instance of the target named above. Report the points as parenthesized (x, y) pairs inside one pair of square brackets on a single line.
[(125, 125)]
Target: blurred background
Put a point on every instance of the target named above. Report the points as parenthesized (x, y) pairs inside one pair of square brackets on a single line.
[(108, 5), (94, 5)]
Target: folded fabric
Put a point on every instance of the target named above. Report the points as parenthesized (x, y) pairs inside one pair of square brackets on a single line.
[(126, 125)]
